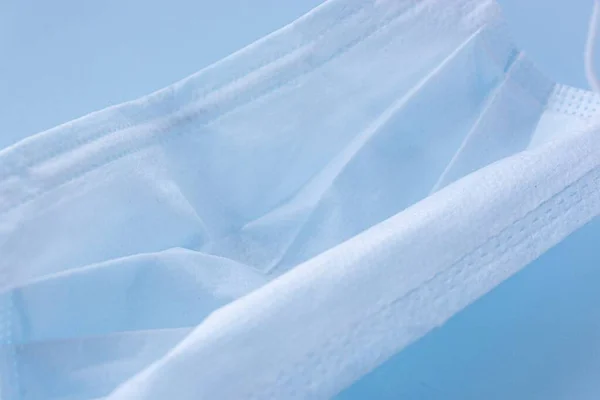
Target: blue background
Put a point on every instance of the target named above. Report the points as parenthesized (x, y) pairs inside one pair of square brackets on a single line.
[(62, 59)]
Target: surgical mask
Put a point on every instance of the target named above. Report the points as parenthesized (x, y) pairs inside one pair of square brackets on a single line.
[(326, 196)]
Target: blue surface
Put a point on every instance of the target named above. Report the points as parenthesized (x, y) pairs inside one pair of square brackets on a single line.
[(553, 33), (66, 58)]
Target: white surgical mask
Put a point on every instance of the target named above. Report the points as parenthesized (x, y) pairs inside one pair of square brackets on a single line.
[(330, 194)]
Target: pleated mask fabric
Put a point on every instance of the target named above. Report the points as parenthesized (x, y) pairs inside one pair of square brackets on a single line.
[(284, 221)]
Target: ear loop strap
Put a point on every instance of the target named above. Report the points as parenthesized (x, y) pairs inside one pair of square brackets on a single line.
[(592, 39)]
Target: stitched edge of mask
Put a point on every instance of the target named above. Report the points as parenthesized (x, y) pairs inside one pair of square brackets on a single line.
[(153, 133)]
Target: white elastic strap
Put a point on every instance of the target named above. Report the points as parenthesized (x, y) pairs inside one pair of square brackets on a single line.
[(589, 47)]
